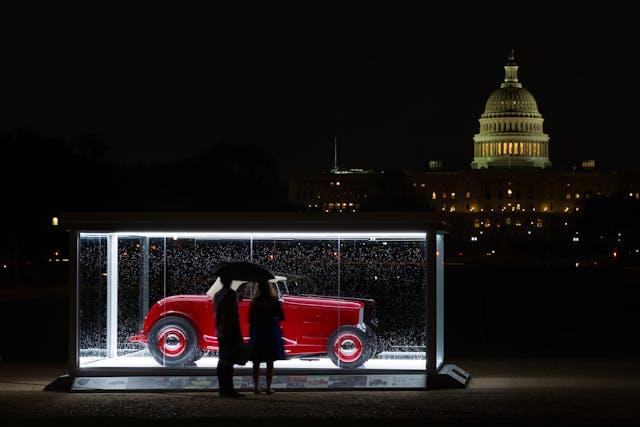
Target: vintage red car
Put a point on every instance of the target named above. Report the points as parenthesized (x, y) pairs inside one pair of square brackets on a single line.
[(180, 329)]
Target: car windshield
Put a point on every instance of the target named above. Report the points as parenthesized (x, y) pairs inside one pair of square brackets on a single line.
[(246, 289)]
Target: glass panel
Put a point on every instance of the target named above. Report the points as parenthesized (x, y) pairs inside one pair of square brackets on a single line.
[(391, 273), (439, 300), (351, 300), (92, 297)]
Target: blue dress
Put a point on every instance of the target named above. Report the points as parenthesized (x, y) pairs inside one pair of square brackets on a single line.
[(265, 315)]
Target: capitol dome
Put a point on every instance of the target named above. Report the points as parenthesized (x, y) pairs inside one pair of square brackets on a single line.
[(511, 100), (511, 131)]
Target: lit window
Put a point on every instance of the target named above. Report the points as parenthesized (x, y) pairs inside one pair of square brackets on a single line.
[(568, 196), (54, 221), (467, 195), (476, 223), (434, 196), (453, 195), (539, 223), (577, 195)]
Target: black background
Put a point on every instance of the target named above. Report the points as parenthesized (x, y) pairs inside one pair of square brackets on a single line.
[(398, 84)]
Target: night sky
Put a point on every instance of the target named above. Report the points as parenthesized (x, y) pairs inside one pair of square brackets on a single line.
[(398, 86)]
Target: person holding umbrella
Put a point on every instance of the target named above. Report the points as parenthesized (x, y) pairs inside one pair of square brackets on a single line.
[(265, 315), (225, 305)]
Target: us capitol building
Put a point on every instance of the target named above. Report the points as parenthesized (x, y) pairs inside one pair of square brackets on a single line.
[(509, 193)]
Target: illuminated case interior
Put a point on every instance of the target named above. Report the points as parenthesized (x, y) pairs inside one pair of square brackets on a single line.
[(124, 263)]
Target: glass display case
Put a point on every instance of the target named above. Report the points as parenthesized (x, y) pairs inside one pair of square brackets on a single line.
[(362, 296)]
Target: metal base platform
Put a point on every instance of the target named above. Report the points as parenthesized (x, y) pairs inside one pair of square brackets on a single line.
[(449, 376)]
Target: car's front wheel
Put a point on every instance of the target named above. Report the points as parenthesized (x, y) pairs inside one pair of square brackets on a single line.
[(173, 342), (347, 347)]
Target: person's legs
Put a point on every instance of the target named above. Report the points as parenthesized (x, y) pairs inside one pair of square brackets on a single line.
[(224, 369), (269, 376), (225, 377), (256, 377)]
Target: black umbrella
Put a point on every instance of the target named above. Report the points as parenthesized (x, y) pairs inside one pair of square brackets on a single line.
[(243, 270)]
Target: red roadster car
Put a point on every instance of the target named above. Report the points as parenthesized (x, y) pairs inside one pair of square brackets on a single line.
[(180, 329)]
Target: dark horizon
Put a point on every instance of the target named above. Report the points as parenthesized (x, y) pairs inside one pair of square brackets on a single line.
[(396, 87)]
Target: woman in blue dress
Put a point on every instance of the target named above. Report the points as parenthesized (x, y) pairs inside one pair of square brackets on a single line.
[(265, 315)]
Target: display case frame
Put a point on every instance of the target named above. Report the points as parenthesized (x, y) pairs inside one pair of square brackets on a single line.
[(435, 373)]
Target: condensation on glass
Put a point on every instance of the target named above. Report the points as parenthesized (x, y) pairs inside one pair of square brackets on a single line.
[(120, 276)]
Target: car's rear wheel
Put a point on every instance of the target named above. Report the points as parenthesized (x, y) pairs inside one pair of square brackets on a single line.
[(173, 342), (347, 347)]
